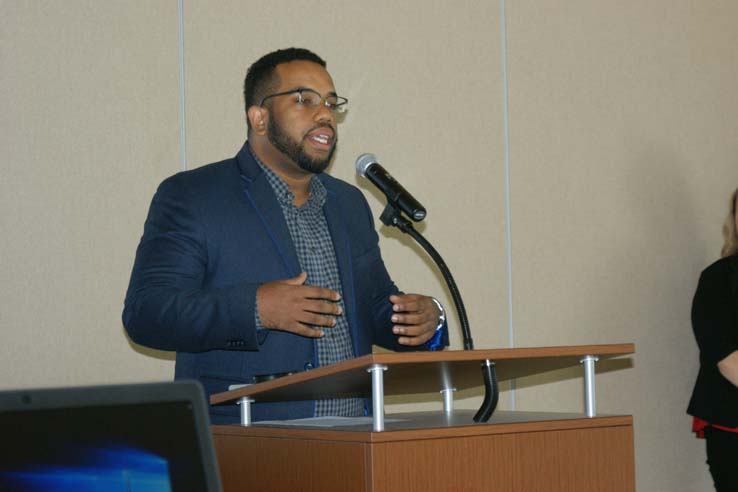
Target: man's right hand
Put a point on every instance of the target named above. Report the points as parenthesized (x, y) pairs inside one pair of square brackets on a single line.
[(288, 305)]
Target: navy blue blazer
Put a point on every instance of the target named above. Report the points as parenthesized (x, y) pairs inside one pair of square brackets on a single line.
[(212, 236)]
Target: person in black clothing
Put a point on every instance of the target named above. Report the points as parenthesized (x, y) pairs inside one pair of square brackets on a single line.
[(714, 403)]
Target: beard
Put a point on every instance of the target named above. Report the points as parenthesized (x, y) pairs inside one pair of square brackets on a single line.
[(296, 150)]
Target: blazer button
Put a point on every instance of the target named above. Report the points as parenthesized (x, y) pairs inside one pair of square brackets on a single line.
[(308, 366)]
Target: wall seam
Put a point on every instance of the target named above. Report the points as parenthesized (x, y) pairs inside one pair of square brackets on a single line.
[(508, 226), (182, 114)]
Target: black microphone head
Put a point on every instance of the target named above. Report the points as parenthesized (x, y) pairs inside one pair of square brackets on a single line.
[(363, 162)]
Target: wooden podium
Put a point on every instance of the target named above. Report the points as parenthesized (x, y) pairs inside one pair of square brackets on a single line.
[(441, 451)]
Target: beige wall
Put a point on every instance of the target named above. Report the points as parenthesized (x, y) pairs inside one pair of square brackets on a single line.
[(622, 149)]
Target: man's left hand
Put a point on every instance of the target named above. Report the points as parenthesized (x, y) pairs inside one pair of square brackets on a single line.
[(415, 317)]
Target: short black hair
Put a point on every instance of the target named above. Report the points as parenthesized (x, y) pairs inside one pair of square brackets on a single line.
[(260, 77)]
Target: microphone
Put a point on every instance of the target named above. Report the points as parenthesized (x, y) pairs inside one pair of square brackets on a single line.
[(368, 167)]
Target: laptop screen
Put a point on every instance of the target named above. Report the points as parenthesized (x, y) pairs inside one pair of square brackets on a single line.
[(133, 438)]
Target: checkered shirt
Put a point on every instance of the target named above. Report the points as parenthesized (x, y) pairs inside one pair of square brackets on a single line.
[(312, 240)]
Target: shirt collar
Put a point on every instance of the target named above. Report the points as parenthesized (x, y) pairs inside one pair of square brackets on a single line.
[(317, 196)]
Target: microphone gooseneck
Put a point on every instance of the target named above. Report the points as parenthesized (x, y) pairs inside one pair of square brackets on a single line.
[(392, 217)]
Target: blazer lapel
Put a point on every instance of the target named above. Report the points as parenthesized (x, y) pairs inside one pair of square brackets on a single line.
[(261, 197)]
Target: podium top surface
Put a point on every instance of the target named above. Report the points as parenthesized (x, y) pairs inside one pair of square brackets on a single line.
[(420, 372), (427, 425)]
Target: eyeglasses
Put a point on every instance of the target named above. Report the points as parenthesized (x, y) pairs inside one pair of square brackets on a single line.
[(311, 99)]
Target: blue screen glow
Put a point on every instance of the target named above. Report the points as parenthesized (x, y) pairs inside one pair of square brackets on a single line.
[(91, 469)]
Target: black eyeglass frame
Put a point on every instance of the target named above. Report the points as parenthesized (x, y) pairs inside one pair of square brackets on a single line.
[(341, 102)]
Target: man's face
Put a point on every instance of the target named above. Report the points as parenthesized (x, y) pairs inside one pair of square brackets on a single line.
[(306, 135)]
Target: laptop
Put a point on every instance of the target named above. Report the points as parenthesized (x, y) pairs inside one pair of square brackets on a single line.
[(128, 438)]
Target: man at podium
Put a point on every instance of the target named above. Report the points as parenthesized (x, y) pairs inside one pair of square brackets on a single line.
[(262, 264)]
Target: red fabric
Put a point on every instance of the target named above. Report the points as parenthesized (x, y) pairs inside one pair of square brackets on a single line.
[(698, 427)]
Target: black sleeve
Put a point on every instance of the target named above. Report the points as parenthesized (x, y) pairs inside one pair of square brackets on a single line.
[(714, 318)]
